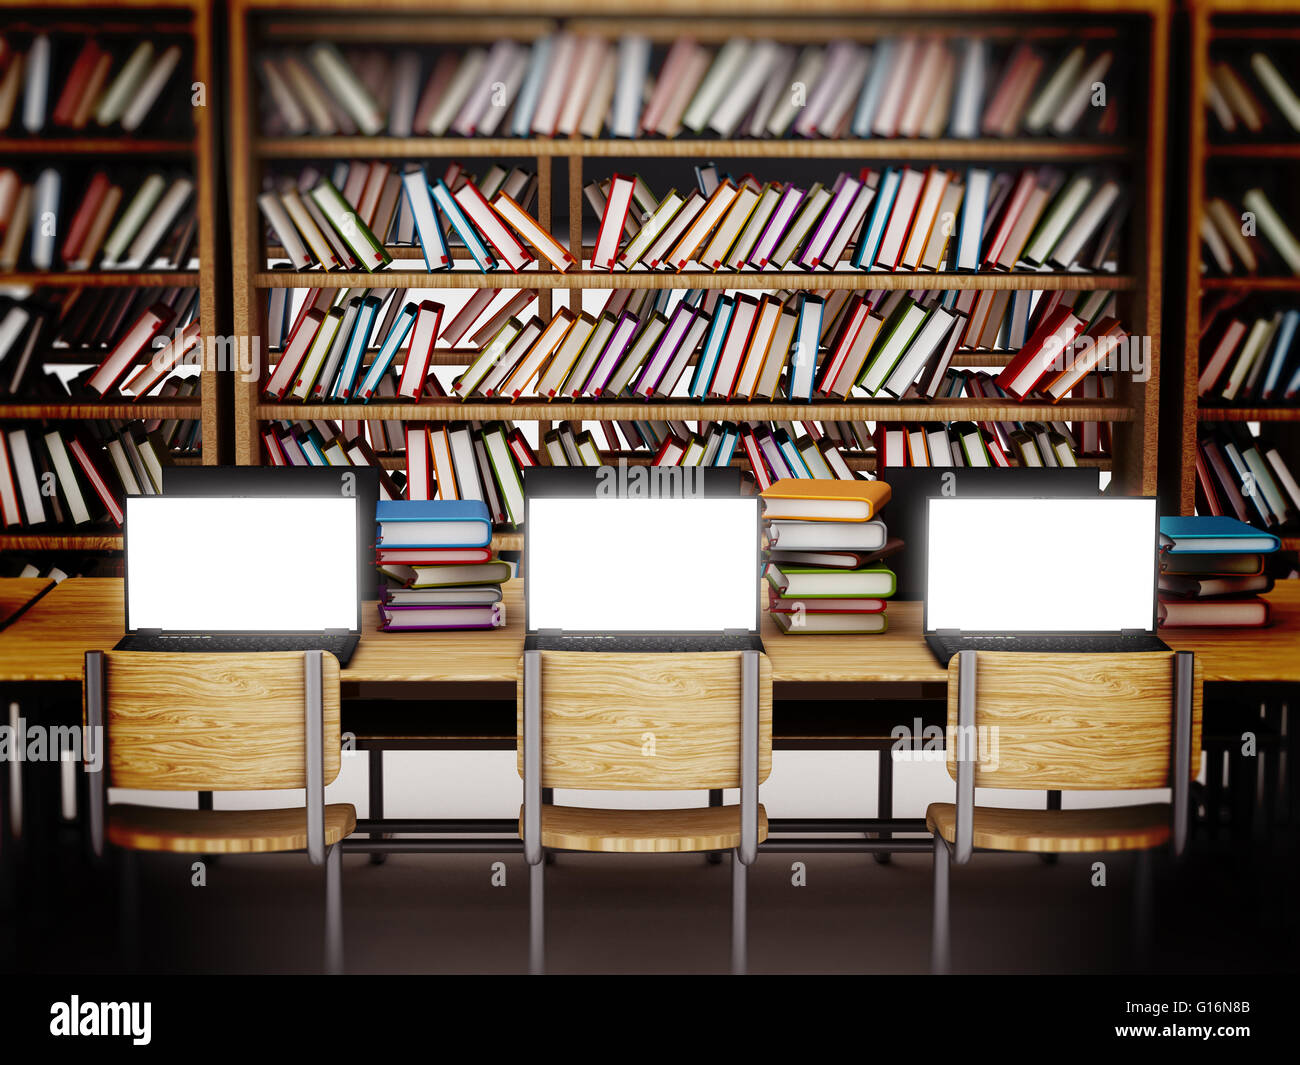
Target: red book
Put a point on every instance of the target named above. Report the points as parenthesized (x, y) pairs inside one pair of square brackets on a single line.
[(85, 216), (605, 252), (890, 441), (273, 450), (294, 352), (490, 226), (1044, 350), (137, 340), (519, 448), (96, 479), (1016, 202), (755, 455), (419, 485), (420, 350), (75, 85), (1249, 613)]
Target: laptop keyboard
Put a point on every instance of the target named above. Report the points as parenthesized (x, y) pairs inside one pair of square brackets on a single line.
[(1064, 643), (340, 646), (662, 643)]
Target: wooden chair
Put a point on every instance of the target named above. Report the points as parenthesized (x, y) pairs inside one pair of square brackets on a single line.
[(221, 722), (1061, 722), (660, 722)]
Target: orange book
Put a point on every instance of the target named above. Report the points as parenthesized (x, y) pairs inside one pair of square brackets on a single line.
[(807, 499)]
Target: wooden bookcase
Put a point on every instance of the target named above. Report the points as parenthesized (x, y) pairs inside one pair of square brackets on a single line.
[(191, 18), (1209, 23), (1139, 26)]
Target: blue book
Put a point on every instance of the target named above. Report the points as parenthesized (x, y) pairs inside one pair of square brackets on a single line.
[(881, 64), (428, 224), (970, 230), (881, 207), (1214, 533), (387, 352), (531, 89), (1281, 350), (713, 341), (433, 523), (807, 341), (449, 209), (727, 448), (358, 341)]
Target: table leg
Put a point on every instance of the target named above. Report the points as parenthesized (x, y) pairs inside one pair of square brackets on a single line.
[(377, 798), (885, 798)]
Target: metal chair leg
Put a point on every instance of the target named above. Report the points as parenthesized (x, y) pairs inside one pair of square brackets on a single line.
[(715, 799), (739, 916), (334, 910), (940, 947), (885, 799), (537, 919)]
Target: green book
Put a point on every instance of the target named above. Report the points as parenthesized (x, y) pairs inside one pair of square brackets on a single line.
[(895, 335), (448, 576), (369, 252), (816, 582)]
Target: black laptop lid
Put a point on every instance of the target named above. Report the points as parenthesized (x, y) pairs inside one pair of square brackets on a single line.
[(905, 514)]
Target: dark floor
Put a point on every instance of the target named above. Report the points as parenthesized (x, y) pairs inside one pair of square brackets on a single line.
[(1227, 908)]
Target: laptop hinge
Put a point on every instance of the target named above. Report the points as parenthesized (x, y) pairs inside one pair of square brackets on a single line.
[(550, 632), (947, 632), (338, 632), (735, 632), (1133, 632), (148, 632)]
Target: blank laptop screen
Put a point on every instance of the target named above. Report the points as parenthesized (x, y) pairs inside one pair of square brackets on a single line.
[(1041, 565), (241, 565), (652, 565)]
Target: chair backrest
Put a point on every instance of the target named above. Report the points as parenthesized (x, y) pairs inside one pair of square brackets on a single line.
[(644, 722), (213, 722), (1072, 721)]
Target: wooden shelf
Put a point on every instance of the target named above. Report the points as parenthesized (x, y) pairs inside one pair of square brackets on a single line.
[(105, 541), (146, 408), (1042, 149), (103, 279), (1251, 284), (855, 280), (73, 145), (1248, 414), (689, 410), (1259, 150)]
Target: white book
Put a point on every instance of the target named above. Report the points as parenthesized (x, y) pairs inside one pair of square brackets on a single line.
[(900, 218), (405, 95), (778, 354), (873, 89), (1256, 344), (539, 59), (287, 106), (150, 89), (20, 451), (457, 91), (512, 79), (341, 80), (809, 211), (123, 88), (924, 88), (807, 71), (656, 254), (728, 67), (835, 115), (902, 70), (565, 356), (489, 80), (575, 383), (36, 84), (45, 214), (433, 243), (605, 253), (841, 56), (671, 339), (1228, 226), (1215, 242), (945, 225), (758, 66), (892, 350), (974, 205), (633, 65), (744, 244), (137, 211), (1058, 218), (729, 228), (636, 357), (321, 344), (779, 81), (924, 344), (560, 68), (588, 59), (159, 223), (676, 381), (1273, 228), (284, 230), (464, 462), (685, 250), (1085, 225), (602, 97), (487, 359), (1283, 96), (652, 228), (927, 217), (968, 97), (1051, 98), (738, 330), (521, 377), (1079, 100), (67, 479), (499, 370)]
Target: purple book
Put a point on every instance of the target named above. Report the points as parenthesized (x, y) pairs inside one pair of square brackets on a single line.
[(667, 347), (619, 339), (846, 190), (780, 221), (436, 618)]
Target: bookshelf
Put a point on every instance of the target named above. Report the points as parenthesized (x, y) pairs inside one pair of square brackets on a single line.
[(190, 21), (1211, 154), (564, 164)]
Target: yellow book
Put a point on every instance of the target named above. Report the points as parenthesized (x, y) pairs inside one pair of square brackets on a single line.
[(804, 499)]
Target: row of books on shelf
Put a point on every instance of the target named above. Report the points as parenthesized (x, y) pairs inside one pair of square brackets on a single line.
[(73, 477), (1236, 99), (437, 566), (152, 336), (58, 566), (1212, 572), (1232, 237), (155, 226), (1252, 361), (573, 84), (898, 218), (1245, 477), (56, 82), (824, 547), (704, 345)]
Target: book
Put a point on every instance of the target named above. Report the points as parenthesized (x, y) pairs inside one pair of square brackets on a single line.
[(1205, 533), (433, 523), (811, 582), (818, 500)]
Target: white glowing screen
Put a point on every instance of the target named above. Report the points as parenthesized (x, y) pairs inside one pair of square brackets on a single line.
[(243, 565), (1041, 565), (656, 565)]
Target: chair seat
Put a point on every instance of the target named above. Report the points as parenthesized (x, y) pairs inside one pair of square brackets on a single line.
[(705, 828), (1116, 828), (153, 828)]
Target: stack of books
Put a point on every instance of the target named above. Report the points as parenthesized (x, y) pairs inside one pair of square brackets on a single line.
[(436, 555), (824, 553), (1212, 572)]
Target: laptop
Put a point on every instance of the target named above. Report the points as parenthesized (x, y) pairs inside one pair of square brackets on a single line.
[(246, 574), (325, 481), (911, 486), (1055, 575), (638, 559)]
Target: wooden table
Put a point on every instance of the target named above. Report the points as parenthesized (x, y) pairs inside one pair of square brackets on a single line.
[(48, 643), (17, 592)]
